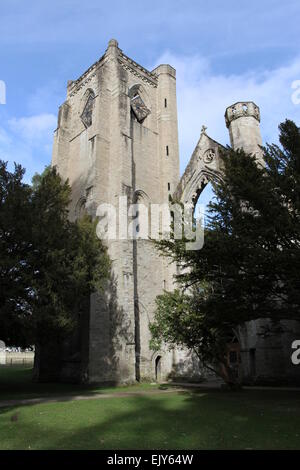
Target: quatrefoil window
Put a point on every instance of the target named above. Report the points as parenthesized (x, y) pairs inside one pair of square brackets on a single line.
[(209, 156)]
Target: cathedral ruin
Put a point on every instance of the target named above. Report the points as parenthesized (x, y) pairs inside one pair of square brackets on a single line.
[(117, 136)]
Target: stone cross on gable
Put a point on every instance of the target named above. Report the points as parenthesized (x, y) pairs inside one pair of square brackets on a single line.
[(203, 129)]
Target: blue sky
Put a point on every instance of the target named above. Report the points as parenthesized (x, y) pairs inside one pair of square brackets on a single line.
[(223, 52)]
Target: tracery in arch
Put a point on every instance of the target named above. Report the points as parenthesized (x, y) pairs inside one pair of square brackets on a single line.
[(142, 214), (139, 102), (80, 209), (141, 196), (88, 106), (197, 184), (199, 193)]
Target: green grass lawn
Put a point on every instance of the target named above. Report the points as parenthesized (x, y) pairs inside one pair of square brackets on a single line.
[(16, 383), (187, 420)]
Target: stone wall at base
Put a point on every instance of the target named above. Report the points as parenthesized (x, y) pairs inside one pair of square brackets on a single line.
[(266, 351)]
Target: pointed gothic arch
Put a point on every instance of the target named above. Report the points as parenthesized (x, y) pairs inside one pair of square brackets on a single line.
[(204, 166), (80, 208), (140, 102)]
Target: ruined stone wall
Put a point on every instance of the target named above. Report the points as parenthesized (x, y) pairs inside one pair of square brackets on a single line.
[(265, 347), (117, 136)]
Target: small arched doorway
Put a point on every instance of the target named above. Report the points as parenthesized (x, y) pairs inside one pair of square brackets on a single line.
[(233, 356), (158, 369)]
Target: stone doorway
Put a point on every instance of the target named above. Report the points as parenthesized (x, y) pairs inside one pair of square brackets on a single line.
[(158, 369)]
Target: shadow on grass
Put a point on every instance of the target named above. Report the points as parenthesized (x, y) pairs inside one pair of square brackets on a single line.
[(207, 420), (16, 383)]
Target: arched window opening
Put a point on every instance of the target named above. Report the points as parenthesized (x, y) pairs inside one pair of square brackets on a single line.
[(138, 99), (80, 209), (204, 196)]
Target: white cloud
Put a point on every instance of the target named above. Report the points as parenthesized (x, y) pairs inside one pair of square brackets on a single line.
[(28, 141), (34, 128), (203, 96), (4, 137)]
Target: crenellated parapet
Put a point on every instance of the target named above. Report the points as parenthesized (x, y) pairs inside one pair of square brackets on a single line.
[(242, 120), (241, 109)]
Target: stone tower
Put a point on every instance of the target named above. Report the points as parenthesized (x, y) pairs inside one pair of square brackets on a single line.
[(117, 143), (242, 120), (117, 136)]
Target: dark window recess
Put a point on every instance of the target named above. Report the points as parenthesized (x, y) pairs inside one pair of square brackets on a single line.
[(137, 219), (169, 186), (252, 362), (166, 104), (167, 150)]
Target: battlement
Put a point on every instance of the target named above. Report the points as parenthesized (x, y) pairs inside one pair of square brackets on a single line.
[(241, 109)]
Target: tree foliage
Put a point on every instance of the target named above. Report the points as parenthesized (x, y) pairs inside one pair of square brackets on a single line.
[(249, 265), (49, 265)]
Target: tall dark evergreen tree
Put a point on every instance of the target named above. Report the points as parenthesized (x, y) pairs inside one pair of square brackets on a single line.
[(48, 264), (250, 263), (15, 245)]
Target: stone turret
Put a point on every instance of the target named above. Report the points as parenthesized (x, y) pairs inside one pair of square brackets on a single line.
[(167, 128), (242, 120)]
